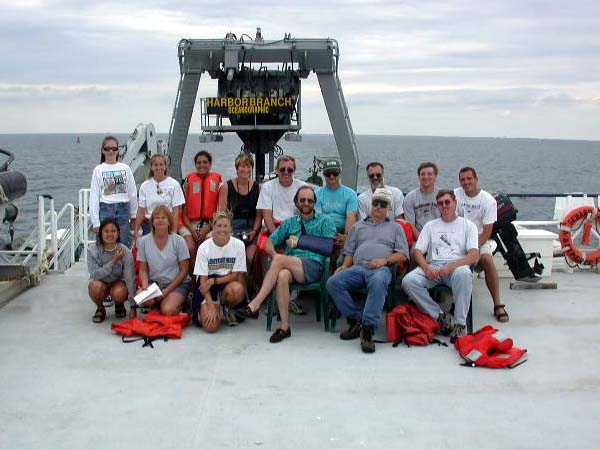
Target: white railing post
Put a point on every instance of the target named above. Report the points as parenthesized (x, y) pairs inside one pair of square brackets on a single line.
[(41, 234), (83, 219), (53, 238), (72, 228)]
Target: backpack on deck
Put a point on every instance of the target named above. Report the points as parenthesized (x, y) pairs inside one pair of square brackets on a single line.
[(409, 324)]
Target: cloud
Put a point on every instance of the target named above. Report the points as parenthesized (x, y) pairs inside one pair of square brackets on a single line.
[(435, 56)]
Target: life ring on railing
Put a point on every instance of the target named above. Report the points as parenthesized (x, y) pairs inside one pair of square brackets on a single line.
[(586, 216)]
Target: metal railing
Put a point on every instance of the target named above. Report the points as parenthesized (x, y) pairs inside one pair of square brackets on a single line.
[(54, 247)]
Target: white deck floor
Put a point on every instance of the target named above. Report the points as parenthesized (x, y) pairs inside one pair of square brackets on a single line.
[(66, 383)]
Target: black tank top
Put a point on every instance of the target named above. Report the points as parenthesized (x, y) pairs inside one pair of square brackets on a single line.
[(242, 206)]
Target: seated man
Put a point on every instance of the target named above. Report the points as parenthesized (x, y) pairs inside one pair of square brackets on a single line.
[(220, 267), (296, 265), (450, 243), (480, 208), (373, 245), (275, 203)]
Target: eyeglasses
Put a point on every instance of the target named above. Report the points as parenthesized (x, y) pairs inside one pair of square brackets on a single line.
[(159, 191), (375, 175), (331, 173), (110, 149), (310, 201), (379, 203), (444, 202), (286, 169)]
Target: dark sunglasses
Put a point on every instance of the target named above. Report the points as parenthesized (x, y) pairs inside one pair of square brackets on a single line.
[(110, 149), (331, 173), (286, 169), (444, 202), (310, 201), (375, 175), (159, 190), (379, 203)]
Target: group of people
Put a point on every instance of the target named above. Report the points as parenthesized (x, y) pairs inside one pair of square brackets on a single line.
[(203, 237)]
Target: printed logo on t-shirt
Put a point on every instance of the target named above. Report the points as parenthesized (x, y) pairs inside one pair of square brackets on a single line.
[(470, 208), (442, 246), (114, 182), (216, 264)]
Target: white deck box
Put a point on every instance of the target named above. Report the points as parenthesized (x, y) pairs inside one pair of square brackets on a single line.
[(532, 241)]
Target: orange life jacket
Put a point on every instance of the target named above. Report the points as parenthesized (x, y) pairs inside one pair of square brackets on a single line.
[(410, 240), (202, 196), (488, 347), (155, 325), (263, 237)]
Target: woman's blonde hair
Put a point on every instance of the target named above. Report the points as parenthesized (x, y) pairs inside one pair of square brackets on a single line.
[(224, 214), (154, 158), (162, 209)]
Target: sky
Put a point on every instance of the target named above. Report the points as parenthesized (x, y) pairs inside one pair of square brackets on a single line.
[(439, 68)]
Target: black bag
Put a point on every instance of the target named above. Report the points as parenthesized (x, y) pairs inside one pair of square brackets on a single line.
[(321, 245)]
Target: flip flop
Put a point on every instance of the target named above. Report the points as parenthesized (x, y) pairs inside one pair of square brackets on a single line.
[(501, 316), (99, 315)]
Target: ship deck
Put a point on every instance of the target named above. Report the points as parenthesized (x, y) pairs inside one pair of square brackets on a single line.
[(66, 383)]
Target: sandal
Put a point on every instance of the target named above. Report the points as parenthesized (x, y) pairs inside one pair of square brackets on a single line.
[(500, 313), (120, 311), (99, 315)]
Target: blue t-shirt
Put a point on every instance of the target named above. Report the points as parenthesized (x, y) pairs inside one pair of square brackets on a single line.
[(336, 204), (319, 225)]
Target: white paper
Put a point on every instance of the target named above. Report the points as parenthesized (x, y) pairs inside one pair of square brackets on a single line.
[(150, 293)]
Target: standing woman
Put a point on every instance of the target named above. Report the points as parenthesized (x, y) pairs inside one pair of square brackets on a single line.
[(201, 190), (113, 192), (111, 271), (158, 189), (164, 260), (240, 195)]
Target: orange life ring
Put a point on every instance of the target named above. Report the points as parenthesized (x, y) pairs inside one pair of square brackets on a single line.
[(584, 215)]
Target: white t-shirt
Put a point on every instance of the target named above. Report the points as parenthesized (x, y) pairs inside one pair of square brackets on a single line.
[(214, 260), (481, 209), (279, 199), (152, 194), (364, 203), (112, 183), (445, 242)]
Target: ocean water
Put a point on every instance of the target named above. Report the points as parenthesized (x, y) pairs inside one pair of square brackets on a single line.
[(56, 165)]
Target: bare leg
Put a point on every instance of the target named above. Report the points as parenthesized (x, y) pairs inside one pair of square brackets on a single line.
[(233, 294), (491, 277), (171, 304), (118, 291), (280, 262), (282, 292), (97, 290)]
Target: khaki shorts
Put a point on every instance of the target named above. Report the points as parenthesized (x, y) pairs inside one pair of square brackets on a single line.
[(488, 247), (183, 231)]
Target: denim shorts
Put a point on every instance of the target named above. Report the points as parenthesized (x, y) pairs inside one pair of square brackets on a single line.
[(241, 225), (313, 270), (183, 288)]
